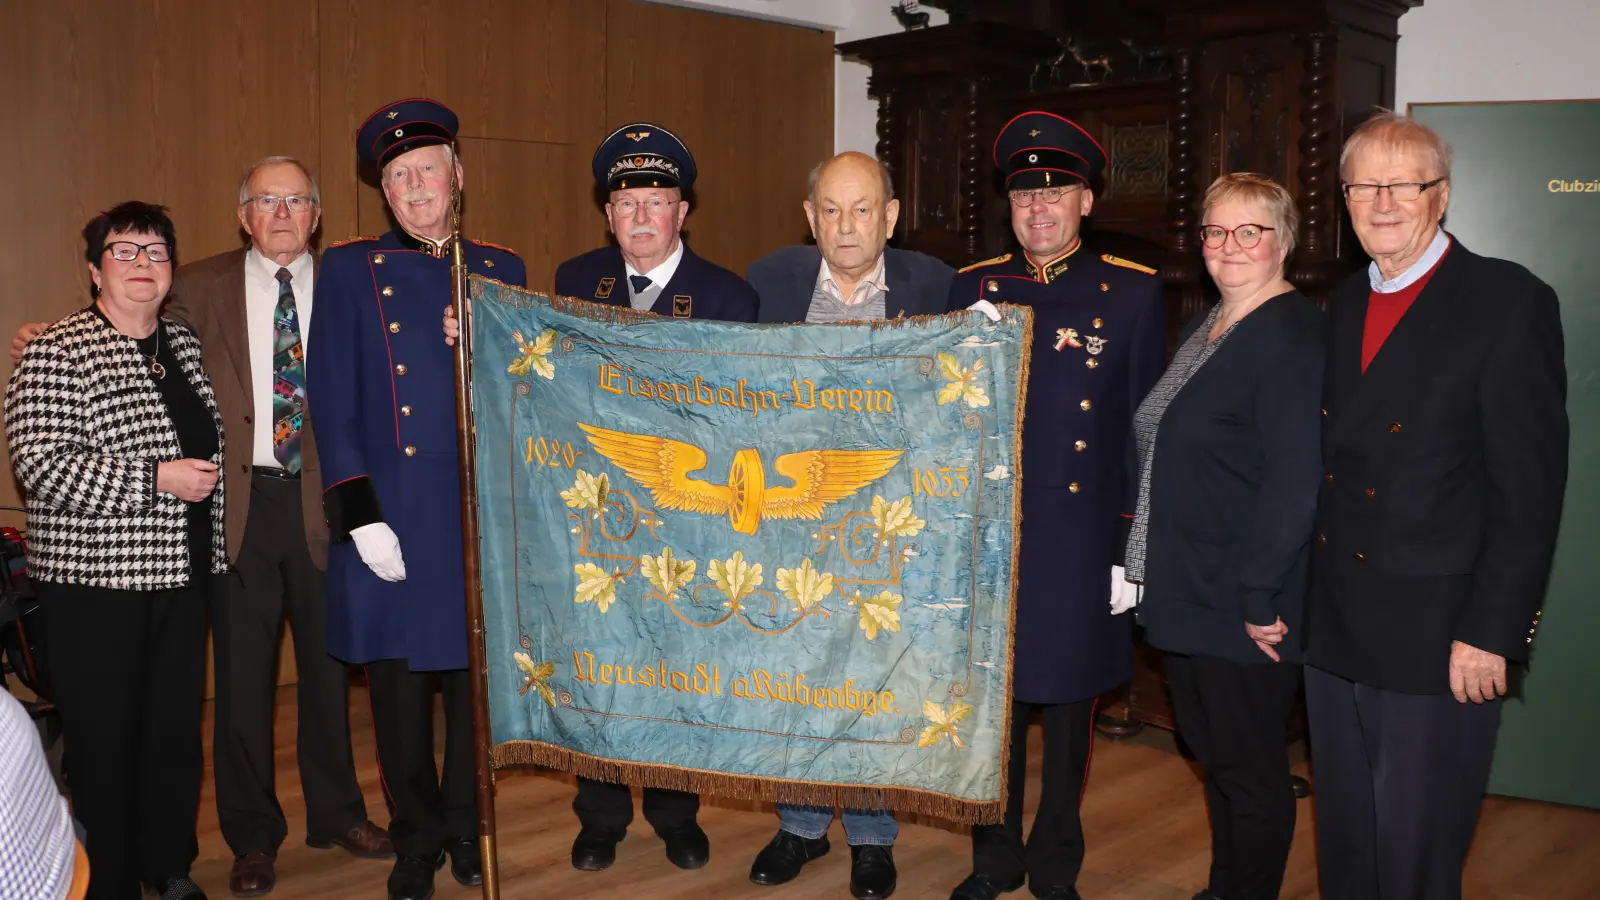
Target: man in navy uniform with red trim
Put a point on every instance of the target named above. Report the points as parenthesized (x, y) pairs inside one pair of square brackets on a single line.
[(1099, 346), (383, 388), (644, 171)]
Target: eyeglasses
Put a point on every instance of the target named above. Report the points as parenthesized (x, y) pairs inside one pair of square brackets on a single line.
[(1048, 195), (128, 251), (1401, 192), (654, 206), (267, 203), (1247, 236)]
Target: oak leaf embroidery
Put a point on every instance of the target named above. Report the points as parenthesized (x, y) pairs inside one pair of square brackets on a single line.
[(531, 355), (805, 586), (735, 578), (538, 676), (963, 384), (944, 722), (895, 518), (880, 612), (669, 575), (588, 491), (596, 585)]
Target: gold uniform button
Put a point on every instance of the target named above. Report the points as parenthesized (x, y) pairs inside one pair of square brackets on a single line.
[(400, 369), (1092, 363), (388, 291), (405, 410), (1394, 427), (378, 260), (410, 450), (1098, 323), (994, 286), (1073, 487), (1361, 557), (1324, 411), (394, 327), (489, 263), (1322, 540), (1080, 446), (1104, 287), (1085, 405), (1327, 476)]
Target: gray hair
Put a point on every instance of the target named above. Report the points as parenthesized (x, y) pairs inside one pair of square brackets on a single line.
[(244, 183), (816, 175), (1397, 131), (449, 159)]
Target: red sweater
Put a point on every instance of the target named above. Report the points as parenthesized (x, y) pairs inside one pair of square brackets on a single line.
[(1384, 312)]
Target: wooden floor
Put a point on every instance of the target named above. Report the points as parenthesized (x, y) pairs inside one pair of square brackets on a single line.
[(1143, 813)]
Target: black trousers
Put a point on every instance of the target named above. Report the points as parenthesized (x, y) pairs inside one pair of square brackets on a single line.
[(128, 671), (273, 577), (1053, 854), (608, 807), (427, 809), (1235, 717), (1400, 779)]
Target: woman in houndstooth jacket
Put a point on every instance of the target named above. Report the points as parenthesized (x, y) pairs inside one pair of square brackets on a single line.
[(116, 439)]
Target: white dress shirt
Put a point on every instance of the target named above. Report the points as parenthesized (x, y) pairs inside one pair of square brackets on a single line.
[(659, 276), (1424, 265), (260, 304)]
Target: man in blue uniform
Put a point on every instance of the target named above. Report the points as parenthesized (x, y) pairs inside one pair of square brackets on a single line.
[(1098, 348), (644, 170), (382, 386)]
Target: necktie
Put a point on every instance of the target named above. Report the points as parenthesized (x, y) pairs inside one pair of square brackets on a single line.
[(288, 377), (641, 283)]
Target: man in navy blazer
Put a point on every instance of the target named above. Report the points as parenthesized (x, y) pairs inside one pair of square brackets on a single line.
[(644, 170), (852, 210), (849, 276), (1445, 452)]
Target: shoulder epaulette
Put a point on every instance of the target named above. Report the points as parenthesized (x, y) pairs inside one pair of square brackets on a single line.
[(496, 246), (988, 262), (1127, 264), (354, 240)]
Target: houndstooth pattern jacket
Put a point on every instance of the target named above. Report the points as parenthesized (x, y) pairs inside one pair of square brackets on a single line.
[(87, 428)]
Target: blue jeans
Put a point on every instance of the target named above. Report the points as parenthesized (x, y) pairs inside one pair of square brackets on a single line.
[(861, 826)]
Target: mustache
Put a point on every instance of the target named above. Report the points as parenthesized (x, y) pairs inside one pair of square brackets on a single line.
[(418, 195), (643, 231)]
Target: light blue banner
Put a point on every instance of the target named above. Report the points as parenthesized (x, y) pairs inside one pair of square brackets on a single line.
[(756, 561)]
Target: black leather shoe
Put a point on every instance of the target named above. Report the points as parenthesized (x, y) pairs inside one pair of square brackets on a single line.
[(687, 846), (594, 850), (412, 878), (466, 861), (180, 888), (982, 887), (1061, 893), (872, 874), (780, 860)]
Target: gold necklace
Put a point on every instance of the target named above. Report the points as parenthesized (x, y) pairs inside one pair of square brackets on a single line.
[(157, 370)]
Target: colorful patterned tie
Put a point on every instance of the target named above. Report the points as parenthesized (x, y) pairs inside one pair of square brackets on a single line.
[(288, 377)]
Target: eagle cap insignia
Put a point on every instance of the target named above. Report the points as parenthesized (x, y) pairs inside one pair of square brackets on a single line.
[(1035, 133), (637, 135), (818, 478), (393, 113)]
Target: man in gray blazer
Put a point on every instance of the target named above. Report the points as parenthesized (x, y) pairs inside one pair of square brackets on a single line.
[(849, 276)]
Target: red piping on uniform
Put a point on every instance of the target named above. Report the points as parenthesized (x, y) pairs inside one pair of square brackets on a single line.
[(1051, 149), (394, 393), (398, 102), (343, 480), (383, 780), (402, 140), (1040, 112), (1092, 707)]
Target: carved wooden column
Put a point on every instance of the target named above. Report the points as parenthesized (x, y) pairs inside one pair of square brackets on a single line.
[(973, 165), (1186, 190), (890, 130), (1316, 265)]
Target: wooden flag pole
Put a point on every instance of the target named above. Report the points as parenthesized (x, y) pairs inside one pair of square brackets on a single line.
[(477, 668)]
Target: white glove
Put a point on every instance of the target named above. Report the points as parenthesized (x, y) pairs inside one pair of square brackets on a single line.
[(380, 550), (987, 309), (1125, 595)]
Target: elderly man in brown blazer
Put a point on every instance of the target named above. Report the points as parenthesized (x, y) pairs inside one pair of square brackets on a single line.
[(251, 308)]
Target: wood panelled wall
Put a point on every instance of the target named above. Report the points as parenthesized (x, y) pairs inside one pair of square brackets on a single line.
[(169, 100)]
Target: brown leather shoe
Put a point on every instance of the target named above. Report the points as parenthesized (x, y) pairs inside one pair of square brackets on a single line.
[(253, 875), (366, 841)]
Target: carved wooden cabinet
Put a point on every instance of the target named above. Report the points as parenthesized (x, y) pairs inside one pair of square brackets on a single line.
[(1177, 91)]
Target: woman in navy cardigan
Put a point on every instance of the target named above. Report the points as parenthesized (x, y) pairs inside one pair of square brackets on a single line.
[(1230, 463)]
